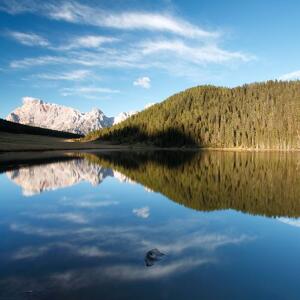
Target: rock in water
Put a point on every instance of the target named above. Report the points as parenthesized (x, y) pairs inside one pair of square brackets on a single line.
[(153, 256)]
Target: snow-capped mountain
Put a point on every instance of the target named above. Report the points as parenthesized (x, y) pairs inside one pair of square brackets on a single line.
[(123, 116), (36, 112)]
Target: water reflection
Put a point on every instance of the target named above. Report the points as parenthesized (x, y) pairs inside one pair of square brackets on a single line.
[(88, 229), (257, 183), (37, 179), (52, 176), (97, 254), (104, 254)]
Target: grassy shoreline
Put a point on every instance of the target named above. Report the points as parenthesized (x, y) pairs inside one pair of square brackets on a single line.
[(11, 142)]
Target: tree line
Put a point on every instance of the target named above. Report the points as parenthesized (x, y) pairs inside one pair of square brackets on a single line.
[(254, 116)]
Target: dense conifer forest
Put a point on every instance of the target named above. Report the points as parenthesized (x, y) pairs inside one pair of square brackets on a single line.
[(255, 116)]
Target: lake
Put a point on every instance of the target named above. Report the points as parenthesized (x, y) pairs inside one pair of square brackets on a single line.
[(150, 225)]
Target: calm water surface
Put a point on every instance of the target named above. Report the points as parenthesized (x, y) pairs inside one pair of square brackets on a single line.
[(80, 226)]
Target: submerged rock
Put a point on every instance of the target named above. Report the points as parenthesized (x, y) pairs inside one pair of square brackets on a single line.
[(153, 256)]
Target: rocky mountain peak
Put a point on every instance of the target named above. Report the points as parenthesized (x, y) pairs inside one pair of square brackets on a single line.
[(36, 112)]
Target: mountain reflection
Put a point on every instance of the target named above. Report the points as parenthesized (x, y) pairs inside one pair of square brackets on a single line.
[(51, 176), (257, 183), (87, 240)]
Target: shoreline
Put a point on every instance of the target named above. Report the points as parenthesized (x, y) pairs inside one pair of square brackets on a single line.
[(126, 147), (10, 159), (107, 147), (11, 142)]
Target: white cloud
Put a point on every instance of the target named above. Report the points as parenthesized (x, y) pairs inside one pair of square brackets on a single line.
[(30, 252), (29, 39), (209, 53), (91, 89), (209, 242), (291, 76), (65, 217), (31, 230), (92, 251), (88, 41), (37, 61), (75, 12), (69, 76), (74, 279), (143, 212), (33, 252), (80, 42), (165, 54), (94, 204), (87, 91), (132, 20), (133, 273), (50, 232), (144, 82), (104, 59), (173, 44)]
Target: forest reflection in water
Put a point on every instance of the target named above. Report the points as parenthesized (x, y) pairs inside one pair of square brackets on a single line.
[(78, 225), (264, 183)]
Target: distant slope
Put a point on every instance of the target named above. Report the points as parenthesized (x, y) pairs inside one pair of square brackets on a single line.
[(11, 127), (255, 116)]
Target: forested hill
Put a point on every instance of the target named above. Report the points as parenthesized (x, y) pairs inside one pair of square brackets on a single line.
[(255, 116)]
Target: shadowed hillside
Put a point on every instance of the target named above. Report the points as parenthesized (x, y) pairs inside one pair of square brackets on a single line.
[(255, 116), (11, 127), (18, 137), (257, 183)]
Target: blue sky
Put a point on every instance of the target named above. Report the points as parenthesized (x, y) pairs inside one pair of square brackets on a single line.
[(120, 55)]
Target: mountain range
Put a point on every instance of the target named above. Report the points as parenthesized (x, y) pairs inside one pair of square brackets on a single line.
[(36, 112), (258, 116)]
